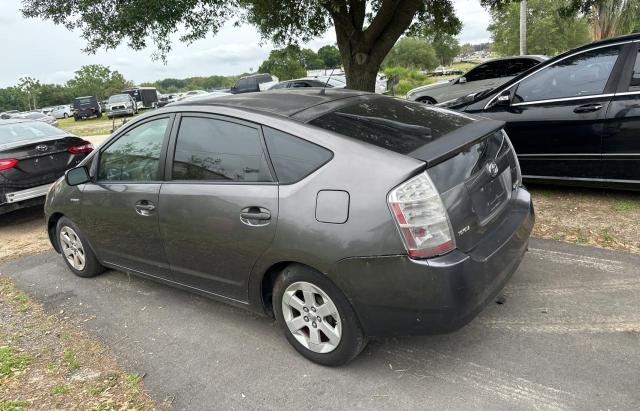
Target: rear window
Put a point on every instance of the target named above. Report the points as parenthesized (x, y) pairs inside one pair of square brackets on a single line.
[(293, 158), (395, 124), (10, 133)]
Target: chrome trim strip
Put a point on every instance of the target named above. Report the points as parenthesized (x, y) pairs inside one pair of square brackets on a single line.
[(578, 155), (557, 100), (599, 180), (557, 61), (628, 93), (28, 193), (121, 267)]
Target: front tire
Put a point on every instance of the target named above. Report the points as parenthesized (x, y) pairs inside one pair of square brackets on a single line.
[(316, 317), (65, 115), (75, 250)]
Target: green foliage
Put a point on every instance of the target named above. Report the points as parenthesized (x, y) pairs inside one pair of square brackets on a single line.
[(446, 47), (98, 80), (549, 32), (286, 63), (408, 79), (13, 405), (69, 358), (412, 52), (12, 362), (365, 30), (173, 85), (330, 55)]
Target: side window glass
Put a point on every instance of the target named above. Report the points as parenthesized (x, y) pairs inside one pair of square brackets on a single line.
[(517, 66), (216, 150), (135, 155), (582, 75), (298, 84), (635, 76), (293, 158), (486, 71)]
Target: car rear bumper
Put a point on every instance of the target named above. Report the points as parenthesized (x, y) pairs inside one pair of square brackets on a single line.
[(121, 112), (26, 194), (395, 295)]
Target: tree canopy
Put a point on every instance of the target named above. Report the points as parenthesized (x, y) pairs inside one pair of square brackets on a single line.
[(550, 31), (412, 52), (365, 30), (330, 55), (284, 63)]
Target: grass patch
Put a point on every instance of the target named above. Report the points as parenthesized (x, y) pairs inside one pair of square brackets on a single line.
[(408, 79), (69, 357), (60, 389), (13, 405), (12, 362), (623, 206), (23, 301)]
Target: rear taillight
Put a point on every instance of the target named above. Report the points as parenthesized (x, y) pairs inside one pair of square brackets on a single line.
[(83, 148), (518, 177), (8, 163), (421, 217)]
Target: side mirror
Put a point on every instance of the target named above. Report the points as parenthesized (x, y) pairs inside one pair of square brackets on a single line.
[(77, 176), (462, 80), (504, 98)]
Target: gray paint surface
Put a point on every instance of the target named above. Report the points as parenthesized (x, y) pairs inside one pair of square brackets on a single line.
[(567, 337)]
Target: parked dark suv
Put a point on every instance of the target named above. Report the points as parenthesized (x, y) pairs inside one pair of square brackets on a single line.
[(346, 215), (250, 84), (85, 107)]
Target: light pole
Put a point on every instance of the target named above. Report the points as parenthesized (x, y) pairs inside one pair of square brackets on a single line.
[(523, 27)]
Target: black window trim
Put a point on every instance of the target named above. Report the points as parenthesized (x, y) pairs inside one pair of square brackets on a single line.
[(95, 162), (303, 139), (548, 63), (173, 139)]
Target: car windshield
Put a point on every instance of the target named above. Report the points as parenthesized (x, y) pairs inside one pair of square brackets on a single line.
[(10, 133), (119, 98)]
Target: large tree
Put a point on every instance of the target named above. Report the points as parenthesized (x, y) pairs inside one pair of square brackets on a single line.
[(365, 30), (284, 63), (330, 55), (98, 80)]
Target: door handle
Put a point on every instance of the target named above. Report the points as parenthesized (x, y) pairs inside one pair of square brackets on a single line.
[(145, 207), (255, 216), (588, 108)]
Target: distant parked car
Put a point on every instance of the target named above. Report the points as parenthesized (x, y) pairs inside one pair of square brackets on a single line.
[(199, 96), (483, 76), (121, 105), (253, 83), (46, 110), (192, 93), (343, 214), (37, 116), (145, 97), (575, 119), (309, 82), (445, 71), (61, 111), (34, 154), (85, 107), (165, 99)]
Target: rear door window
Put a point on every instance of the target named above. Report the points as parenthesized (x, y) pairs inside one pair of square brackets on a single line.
[(517, 66), (635, 76), (293, 158), (209, 149), (492, 69)]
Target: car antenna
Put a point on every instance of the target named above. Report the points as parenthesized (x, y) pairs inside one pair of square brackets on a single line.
[(322, 92)]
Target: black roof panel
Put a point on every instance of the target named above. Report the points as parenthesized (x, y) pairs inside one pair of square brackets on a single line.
[(282, 102)]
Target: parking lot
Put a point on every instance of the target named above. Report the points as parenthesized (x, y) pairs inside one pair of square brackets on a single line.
[(566, 336)]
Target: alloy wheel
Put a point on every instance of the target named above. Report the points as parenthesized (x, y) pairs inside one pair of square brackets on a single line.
[(312, 317), (72, 248)]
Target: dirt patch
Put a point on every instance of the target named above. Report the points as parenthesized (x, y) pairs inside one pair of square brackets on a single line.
[(602, 218), (22, 232), (48, 363)]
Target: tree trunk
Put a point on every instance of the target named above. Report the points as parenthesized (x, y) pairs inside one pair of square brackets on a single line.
[(363, 50), (523, 27)]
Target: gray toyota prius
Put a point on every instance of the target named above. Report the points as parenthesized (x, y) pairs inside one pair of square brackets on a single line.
[(345, 215)]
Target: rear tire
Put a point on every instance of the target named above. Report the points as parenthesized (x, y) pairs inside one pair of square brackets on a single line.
[(75, 250), (426, 100), (316, 317), (65, 115)]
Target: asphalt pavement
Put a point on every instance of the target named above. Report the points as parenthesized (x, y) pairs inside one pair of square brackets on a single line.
[(567, 336)]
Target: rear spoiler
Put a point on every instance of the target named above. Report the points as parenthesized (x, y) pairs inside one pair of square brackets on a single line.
[(450, 144)]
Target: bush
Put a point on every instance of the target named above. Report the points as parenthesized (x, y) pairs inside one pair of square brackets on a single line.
[(408, 79)]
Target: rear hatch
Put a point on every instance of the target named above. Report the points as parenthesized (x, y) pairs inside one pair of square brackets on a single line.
[(469, 159)]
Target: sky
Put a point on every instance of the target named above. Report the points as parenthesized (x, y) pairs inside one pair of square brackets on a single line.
[(50, 53)]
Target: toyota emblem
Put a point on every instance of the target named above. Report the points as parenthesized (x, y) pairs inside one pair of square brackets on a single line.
[(42, 147), (492, 169)]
